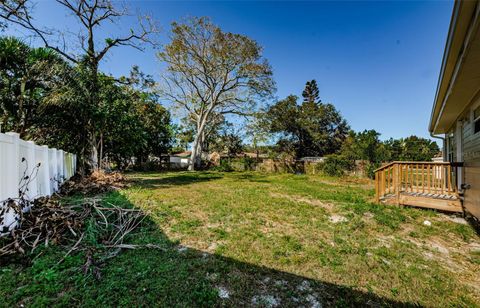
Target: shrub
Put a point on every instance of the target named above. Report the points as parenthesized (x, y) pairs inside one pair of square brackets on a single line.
[(224, 166), (249, 163), (313, 167), (370, 169), (335, 165)]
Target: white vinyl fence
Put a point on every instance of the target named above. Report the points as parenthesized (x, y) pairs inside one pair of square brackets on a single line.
[(36, 170)]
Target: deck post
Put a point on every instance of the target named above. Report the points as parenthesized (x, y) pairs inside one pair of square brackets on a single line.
[(377, 184), (396, 182)]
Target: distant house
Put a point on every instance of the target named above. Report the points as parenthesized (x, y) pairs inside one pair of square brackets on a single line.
[(312, 159), (456, 110), (180, 160)]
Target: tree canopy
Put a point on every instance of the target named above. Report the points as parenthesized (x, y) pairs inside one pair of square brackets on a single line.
[(311, 94), (311, 128), (42, 97), (412, 148), (213, 72), (91, 16)]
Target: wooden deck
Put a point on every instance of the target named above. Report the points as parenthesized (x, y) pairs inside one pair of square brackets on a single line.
[(420, 184)]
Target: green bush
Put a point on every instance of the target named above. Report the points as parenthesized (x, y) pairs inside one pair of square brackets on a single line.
[(370, 169), (249, 164), (224, 166), (335, 165), (236, 164), (313, 167)]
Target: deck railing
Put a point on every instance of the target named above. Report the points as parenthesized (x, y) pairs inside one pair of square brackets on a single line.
[(422, 178)]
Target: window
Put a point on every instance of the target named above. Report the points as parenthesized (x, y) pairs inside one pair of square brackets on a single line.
[(476, 120)]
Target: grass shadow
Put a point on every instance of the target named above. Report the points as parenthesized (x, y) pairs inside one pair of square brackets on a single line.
[(159, 180), (171, 276), (256, 178), (474, 223)]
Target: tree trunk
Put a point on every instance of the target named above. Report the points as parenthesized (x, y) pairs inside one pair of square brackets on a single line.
[(193, 157), (100, 159), (93, 154), (200, 145)]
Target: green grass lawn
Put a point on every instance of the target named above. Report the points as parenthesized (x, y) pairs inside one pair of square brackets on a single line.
[(250, 239)]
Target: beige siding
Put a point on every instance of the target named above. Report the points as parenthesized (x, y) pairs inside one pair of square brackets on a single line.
[(471, 143), (471, 157)]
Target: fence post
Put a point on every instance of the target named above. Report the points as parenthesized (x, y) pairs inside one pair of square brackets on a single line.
[(74, 164), (9, 184), (45, 188), (397, 183), (54, 170), (61, 164), (31, 172), (9, 166), (13, 167)]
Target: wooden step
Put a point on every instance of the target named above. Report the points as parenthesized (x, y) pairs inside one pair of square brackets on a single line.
[(443, 204), (430, 195)]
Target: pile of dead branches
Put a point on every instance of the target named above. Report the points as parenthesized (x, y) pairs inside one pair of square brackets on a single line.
[(98, 182), (46, 223), (92, 226), (88, 225)]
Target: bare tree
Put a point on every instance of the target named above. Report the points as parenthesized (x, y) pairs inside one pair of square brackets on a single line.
[(211, 72), (90, 15)]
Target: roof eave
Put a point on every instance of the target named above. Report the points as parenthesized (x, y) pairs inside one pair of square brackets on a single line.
[(463, 23), (448, 47)]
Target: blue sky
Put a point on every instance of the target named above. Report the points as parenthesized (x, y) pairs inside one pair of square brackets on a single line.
[(377, 62)]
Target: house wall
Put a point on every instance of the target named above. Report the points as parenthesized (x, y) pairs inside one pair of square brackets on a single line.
[(471, 159)]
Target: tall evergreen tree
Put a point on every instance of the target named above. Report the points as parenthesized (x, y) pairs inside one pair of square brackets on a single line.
[(311, 94)]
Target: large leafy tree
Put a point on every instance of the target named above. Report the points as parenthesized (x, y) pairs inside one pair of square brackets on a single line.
[(258, 135), (308, 129), (225, 139), (184, 135), (365, 146), (43, 98), (133, 124), (211, 72), (156, 122), (412, 148), (91, 16)]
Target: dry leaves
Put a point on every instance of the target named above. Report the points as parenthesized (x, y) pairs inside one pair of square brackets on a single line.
[(98, 182)]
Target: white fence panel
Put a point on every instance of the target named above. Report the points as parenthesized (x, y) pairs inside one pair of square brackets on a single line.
[(36, 170), (8, 170)]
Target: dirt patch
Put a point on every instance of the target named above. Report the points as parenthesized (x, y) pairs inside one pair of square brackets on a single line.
[(223, 293), (452, 218), (337, 219), (265, 300), (301, 199)]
